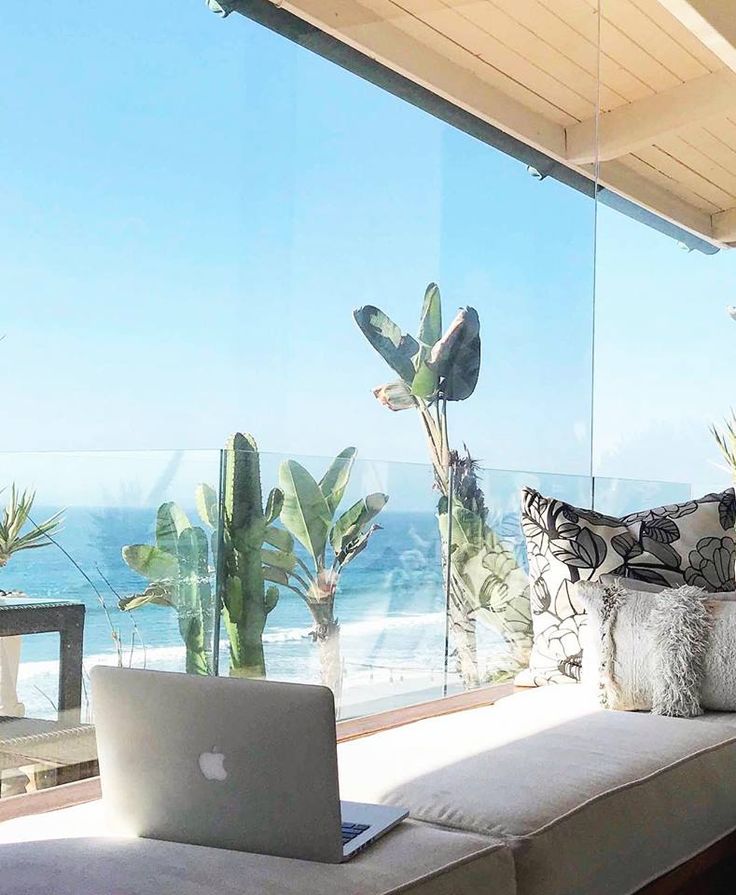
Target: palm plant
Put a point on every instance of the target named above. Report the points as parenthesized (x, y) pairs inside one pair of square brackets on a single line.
[(308, 514), (484, 578), (16, 516)]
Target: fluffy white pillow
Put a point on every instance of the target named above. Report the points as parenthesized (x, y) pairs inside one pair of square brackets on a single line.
[(649, 588), (672, 652)]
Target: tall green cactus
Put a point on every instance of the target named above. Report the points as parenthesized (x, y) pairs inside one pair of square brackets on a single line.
[(177, 568), (254, 552)]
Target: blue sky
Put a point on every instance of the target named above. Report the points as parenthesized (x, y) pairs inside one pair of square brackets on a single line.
[(192, 208)]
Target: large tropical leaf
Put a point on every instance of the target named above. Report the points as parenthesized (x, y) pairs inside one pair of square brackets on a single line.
[(353, 548), (430, 324), (151, 562), (396, 348), (278, 559), (463, 367), (305, 512), (334, 482), (395, 395), (349, 526), (425, 382), (456, 356)]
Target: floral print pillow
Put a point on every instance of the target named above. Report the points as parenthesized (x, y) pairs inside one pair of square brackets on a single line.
[(685, 543)]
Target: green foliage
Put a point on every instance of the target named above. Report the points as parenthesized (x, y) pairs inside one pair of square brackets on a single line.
[(15, 518), (396, 348), (434, 366), (485, 579), (178, 570), (495, 589), (257, 555), (308, 514)]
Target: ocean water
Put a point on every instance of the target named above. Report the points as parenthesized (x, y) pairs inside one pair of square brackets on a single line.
[(390, 605)]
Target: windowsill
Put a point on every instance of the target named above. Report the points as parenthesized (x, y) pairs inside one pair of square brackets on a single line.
[(89, 790)]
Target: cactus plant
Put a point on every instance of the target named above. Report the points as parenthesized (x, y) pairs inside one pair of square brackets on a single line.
[(178, 570), (485, 580), (255, 552)]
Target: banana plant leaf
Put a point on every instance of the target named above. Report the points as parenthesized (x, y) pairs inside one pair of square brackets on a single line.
[(334, 482), (353, 548), (278, 558), (395, 395), (430, 322), (426, 379), (461, 369), (396, 348), (151, 562), (350, 525), (305, 512)]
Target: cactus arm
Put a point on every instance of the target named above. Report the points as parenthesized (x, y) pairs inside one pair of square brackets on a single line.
[(171, 521), (193, 595), (206, 500)]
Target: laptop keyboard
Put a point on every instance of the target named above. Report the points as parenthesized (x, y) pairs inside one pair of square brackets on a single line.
[(350, 831)]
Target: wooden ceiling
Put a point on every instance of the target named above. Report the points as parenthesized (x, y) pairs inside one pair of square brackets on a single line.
[(666, 133)]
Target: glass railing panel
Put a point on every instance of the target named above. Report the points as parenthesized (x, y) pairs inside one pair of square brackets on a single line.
[(108, 502), (361, 606), (489, 616), (617, 497), (488, 601), (358, 591)]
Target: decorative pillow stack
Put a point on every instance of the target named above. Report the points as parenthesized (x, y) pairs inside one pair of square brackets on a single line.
[(687, 543), (672, 652)]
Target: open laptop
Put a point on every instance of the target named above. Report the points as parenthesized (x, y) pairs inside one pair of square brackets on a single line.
[(230, 763)]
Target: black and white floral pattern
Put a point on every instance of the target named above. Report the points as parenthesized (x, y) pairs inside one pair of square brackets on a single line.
[(686, 543)]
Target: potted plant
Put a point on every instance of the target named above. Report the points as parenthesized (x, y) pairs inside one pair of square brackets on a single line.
[(14, 537)]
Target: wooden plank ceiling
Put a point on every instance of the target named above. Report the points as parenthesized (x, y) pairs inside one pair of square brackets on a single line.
[(666, 133)]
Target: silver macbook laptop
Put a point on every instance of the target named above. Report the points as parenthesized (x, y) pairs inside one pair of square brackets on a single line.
[(229, 763)]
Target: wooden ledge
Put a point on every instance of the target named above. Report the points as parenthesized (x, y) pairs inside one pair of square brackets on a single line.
[(370, 724), (89, 790)]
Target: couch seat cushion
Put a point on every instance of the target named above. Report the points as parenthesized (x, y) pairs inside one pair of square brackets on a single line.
[(598, 802), (74, 852)]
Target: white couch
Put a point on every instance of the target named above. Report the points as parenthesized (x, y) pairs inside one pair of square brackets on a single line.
[(541, 794)]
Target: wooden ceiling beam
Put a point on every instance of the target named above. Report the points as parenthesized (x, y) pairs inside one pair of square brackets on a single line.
[(724, 226), (713, 22), (369, 27), (639, 123), (624, 180)]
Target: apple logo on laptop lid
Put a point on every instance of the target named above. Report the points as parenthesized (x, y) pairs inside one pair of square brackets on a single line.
[(212, 766)]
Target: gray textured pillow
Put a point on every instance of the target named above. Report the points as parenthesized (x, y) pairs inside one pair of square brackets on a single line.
[(687, 543), (673, 652)]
